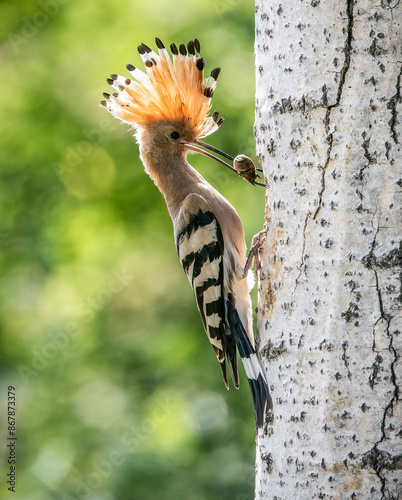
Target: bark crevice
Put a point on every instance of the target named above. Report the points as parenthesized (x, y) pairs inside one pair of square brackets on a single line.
[(342, 78), (392, 106), (378, 460), (371, 159), (345, 358), (373, 263), (303, 250)]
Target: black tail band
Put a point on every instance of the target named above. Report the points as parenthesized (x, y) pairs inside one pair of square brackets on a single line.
[(259, 388)]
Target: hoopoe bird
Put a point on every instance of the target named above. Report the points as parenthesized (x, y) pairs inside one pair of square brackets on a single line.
[(169, 106)]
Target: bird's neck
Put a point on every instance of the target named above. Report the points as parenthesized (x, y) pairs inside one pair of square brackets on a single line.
[(173, 176)]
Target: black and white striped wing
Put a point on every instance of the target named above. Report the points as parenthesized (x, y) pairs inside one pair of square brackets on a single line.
[(200, 247)]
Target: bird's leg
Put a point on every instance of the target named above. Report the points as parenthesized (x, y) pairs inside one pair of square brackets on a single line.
[(256, 244)]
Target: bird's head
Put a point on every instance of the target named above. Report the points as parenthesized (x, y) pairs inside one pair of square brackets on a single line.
[(169, 104)]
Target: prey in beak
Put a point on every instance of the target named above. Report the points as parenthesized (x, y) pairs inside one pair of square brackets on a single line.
[(241, 164)]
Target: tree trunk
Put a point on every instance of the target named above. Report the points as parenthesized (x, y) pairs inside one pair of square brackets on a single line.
[(329, 316)]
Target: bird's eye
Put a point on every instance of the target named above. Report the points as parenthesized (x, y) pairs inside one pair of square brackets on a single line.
[(175, 135)]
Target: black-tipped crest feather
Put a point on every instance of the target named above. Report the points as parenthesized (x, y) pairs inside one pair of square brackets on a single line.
[(215, 73), (200, 63), (191, 48), (159, 43)]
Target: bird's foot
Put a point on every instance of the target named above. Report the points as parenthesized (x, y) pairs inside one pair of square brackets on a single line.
[(256, 243)]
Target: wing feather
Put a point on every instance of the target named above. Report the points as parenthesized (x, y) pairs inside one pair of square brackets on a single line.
[(200, 248)]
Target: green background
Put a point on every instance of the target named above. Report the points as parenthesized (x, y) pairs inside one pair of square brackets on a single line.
[(119, 393)]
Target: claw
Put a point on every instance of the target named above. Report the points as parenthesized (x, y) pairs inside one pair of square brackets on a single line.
[(256, 243)]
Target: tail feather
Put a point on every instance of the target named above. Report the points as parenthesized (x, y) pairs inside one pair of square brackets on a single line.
[(224, 376), (231, 355), (255, 374)]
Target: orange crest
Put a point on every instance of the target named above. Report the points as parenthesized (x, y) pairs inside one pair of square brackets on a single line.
[(172, 90)]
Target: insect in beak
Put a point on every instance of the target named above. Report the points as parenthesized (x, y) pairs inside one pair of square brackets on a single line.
[(242, 165)]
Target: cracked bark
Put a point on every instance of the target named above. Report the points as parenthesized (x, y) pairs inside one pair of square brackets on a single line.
[(342, 78), (328, 136)]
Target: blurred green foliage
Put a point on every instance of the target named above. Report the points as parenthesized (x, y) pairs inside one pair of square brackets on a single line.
[(119, 394)]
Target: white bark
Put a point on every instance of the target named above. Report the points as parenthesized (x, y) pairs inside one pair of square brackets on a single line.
[(329, 139)]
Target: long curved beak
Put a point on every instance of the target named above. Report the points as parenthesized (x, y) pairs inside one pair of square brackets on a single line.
[(192, 146), (211, 148), (196, 146)]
